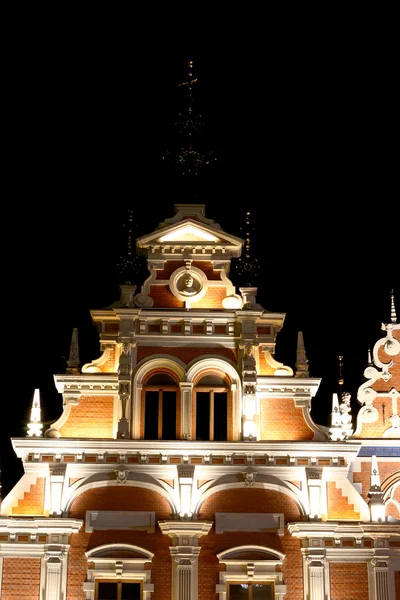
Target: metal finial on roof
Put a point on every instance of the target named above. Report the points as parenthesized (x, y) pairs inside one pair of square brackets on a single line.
[(393, 317)]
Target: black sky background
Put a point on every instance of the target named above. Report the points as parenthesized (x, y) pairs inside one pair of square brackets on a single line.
[(306, 139)]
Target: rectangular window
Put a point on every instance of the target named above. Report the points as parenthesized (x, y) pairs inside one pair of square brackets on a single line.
[(250, 591), (118, 590), (160, 415), (211, 415)]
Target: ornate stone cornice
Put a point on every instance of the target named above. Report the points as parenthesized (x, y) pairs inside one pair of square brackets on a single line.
[(34, 526), (341, 530), (87, 383), (188, 529)]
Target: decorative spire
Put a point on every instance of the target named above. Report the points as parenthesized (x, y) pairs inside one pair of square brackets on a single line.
[(247, 266), (73, 361), (189, 158), (301, 358), (335, 414), (35, 426), (340, 380), (129, 265), (375, 494), (393, 317)]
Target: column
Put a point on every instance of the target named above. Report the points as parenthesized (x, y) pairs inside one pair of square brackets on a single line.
[(186, 412), (314, 482), (124, 377), (57, 477)]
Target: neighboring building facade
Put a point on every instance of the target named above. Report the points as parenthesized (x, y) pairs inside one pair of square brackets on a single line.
[(186, 465)]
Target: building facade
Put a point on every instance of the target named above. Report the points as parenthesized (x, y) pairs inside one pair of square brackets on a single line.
[(185, 464)]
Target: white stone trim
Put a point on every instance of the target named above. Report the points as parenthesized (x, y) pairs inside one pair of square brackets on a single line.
[(231, 482), (142, 368), (118, 568), (253, 571), (185, 552), (209, 363), (133, 479), (94, 366)]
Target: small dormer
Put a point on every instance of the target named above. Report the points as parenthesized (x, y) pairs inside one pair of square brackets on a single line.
[(188, 257)]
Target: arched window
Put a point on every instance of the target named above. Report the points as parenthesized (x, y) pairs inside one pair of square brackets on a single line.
[(251, 573), (211, 408), (117, 572), (159, 407)]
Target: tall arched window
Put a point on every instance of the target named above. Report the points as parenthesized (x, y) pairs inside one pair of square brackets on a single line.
[(159, 407), (211, 401)]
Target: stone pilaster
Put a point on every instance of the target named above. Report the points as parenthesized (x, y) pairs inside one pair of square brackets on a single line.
[(186, 418), (381, 569), (185, 553), (315, 564), (124, 384), (54, 565)]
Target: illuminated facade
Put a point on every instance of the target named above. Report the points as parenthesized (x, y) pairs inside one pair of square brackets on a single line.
[(185, 464)]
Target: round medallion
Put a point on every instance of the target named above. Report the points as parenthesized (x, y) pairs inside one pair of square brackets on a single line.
[(188, 285)]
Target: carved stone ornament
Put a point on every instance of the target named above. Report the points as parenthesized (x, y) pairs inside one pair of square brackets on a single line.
[(188, 284), (121, 476), (249, 478)]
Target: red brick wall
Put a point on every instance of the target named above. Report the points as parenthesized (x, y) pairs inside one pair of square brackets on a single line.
[(109, 365), (281, 420), (264, 367), (33, 501), (377, 428), (187, 353), (349, 581), (205, 266), (21, 579), (386, 470), (397, 584), (387, 475), (91, 418), (212, 299), (120, 498), (249, 500), (164, 298), (338, 505)]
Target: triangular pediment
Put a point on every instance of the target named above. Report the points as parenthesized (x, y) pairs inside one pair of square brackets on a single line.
[(189, 232)]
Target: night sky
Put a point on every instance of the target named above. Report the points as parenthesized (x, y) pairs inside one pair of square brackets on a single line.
[(305, 143)]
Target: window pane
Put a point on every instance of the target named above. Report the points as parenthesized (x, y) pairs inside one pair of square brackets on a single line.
[(220, 416), (239, 591), (261, 591), (130, 591), (107, 591), (169, 416), (202, 416), (151, 416)]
